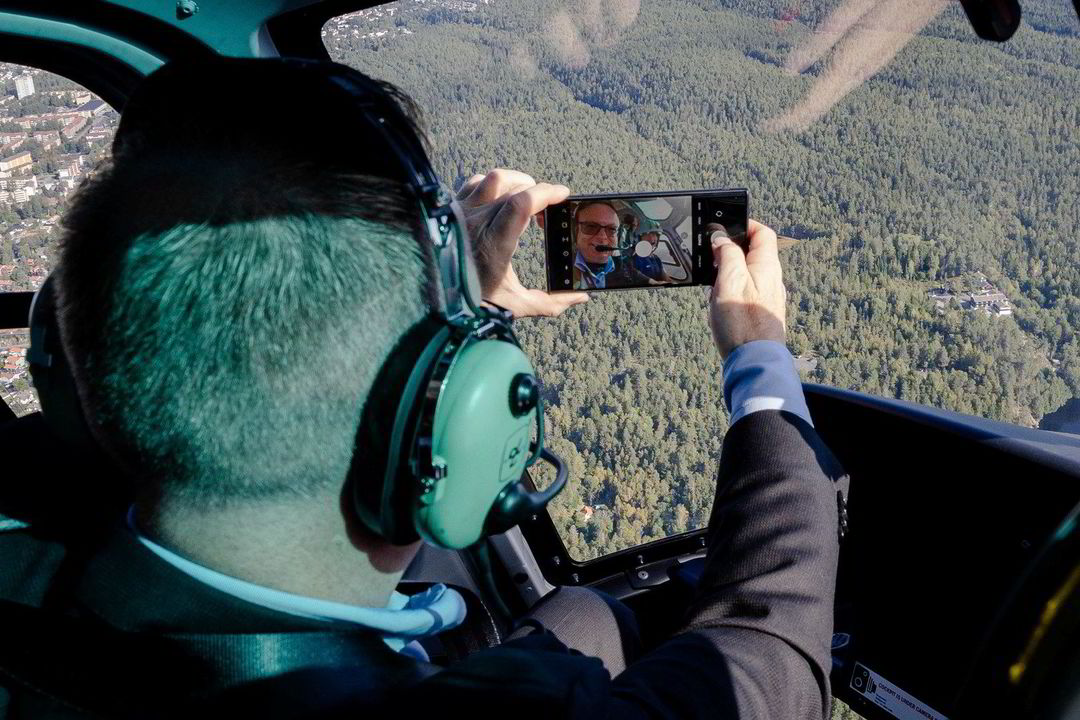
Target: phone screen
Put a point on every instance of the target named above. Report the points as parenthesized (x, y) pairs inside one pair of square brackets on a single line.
[(635, 240)]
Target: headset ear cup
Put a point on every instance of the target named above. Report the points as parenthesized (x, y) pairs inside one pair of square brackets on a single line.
[(481, 438), (383, 487), (51, 374)]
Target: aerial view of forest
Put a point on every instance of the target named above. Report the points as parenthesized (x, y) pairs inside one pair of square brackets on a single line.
[(929, 212)]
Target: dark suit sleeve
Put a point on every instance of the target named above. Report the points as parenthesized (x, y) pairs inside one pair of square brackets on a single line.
[(756, 641)]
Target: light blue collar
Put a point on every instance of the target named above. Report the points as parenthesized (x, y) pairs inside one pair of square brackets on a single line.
[(404, 619), (598, 277)]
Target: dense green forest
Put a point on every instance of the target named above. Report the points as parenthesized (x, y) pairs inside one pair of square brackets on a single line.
[(958, 157)]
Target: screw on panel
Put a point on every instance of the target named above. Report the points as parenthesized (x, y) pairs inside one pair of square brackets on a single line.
[(575, 578), (556, 560), (186, 8)]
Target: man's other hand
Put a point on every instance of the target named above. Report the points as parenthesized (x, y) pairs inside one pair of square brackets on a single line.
[(498, 207), (747, 301)]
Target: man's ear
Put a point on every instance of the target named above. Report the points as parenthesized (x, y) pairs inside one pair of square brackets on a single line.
[(383, 556)]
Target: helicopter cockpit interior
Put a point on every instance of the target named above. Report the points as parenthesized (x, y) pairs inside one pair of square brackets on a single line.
[(918, 161)]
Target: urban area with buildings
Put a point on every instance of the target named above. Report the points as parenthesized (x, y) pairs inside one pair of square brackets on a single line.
[(52, 133), (370, 24)]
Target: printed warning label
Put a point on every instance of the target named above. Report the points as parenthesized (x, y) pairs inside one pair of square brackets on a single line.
[(890, 698)]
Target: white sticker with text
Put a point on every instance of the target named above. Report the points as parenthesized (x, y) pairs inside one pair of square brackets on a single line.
[(890, 698)]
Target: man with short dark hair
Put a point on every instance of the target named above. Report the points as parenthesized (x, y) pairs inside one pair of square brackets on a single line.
[(226, 299)]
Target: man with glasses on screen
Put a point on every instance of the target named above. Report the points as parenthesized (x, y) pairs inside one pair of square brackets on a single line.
[(596, 227)]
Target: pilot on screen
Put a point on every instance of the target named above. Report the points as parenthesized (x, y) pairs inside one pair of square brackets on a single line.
[(650, 264)]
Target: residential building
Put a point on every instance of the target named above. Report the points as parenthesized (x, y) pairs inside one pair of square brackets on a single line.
[(987, 299), (48, 138), (24, 86), (992, 301), (22, 159), (72, 128), (93, 108), (100, 129), (70, 166), (7, 149), (21, 182)]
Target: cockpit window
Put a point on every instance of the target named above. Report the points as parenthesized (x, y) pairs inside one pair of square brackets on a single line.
[(53, 133), (671, 266), (658, 209), (923, 183)]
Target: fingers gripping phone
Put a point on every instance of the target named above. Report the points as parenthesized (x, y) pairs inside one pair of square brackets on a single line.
[(634, 240)]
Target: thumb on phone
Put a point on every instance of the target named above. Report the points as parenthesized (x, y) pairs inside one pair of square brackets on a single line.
[(730, 264)]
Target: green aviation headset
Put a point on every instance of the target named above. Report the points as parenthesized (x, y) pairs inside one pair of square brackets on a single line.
[(445, 435)]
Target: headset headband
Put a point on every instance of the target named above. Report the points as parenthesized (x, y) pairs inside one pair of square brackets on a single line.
[(445, 225)]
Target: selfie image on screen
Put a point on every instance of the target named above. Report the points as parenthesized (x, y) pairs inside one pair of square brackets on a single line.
[(631, 243)]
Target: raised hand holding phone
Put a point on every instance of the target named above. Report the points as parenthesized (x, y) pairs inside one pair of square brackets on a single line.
[(498, 207), (748, 300)]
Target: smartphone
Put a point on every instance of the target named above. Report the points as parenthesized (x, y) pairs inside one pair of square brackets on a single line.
[(635, 240)]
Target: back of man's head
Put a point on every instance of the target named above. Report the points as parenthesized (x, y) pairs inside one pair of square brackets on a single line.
[(231, 283)]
